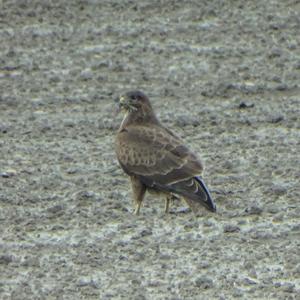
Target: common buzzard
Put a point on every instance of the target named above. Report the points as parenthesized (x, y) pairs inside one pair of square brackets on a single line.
[(155, 158)]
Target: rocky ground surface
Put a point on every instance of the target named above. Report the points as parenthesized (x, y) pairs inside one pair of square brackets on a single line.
[(224, 74)]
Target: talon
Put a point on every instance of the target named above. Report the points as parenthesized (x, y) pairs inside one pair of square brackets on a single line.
[(137, 208)]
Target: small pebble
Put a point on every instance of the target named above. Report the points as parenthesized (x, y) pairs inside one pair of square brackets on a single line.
[(231, 228), (276, 119), (146, 232), (279, 190), (254, 210), (249, 281), (6, 259), (186, 120), (8, 173), (55, 209), (204, 282), (86, 74), (3, 128), (244, 105)]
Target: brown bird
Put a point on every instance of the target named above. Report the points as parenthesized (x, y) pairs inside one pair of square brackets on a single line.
[(155, 158)]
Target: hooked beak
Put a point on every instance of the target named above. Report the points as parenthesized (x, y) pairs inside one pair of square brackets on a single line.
[(124, 104)]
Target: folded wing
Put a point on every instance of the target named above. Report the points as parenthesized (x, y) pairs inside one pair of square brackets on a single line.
[(161, 161)]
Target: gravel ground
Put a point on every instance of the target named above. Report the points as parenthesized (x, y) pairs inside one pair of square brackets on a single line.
[(224, 74)]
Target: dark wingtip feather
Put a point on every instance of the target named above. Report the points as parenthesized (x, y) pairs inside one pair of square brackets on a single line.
[(210, 204)]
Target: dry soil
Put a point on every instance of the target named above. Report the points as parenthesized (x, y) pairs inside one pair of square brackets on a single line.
[(225, 75)]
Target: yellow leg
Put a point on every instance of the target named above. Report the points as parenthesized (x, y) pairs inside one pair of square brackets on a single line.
[(167, 204), (138, 190), (137, 208)]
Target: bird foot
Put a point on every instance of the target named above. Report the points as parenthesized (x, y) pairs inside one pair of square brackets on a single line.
[(137, 209)]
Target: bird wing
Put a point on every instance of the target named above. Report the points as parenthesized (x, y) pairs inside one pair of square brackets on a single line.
[(161, 161), (155, 154)]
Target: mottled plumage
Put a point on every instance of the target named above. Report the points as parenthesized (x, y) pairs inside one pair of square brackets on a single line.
[(155, 158)]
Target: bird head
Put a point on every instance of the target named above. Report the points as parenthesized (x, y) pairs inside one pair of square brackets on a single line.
[(137, 107), (134, 101)]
